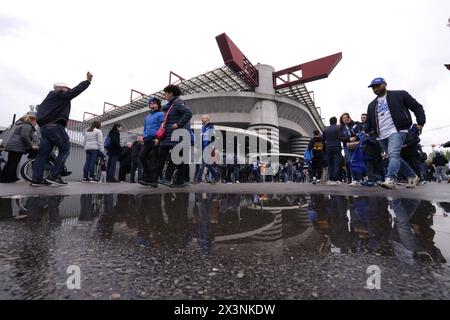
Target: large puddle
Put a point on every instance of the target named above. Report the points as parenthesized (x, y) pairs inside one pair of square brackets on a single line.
[(129, 240)]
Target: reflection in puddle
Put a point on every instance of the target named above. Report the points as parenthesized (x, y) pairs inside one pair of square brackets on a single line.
[(408, 229)]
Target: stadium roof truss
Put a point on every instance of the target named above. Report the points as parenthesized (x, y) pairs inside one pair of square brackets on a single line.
[(238, 75)]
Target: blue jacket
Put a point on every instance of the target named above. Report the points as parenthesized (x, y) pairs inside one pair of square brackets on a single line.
[(152, 123), (399, 103), (208, 133)]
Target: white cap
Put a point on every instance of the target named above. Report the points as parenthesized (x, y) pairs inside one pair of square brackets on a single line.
[(61, 84)]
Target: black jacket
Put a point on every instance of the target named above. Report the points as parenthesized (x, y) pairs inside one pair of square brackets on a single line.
[(125, 157), (317, 146), (136, 150), (56, 106), (332, 137), (399, 103), (115, 149), (180, 114), (440, 160)]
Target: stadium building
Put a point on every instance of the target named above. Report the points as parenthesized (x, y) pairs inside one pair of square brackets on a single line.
[(239, 97)]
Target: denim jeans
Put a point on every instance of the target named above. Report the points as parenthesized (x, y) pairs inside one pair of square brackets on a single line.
[(237, 170), (393, 146), (290, 175), (441, 173), (111, 167), (51, 135), (89, 166), (211, 170), (404, 210), (334, 164), (355, 176)]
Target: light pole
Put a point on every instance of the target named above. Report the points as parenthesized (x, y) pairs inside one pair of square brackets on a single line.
[(448, 65)]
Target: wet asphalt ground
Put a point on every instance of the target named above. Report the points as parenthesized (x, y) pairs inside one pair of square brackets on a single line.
[(262, 241)]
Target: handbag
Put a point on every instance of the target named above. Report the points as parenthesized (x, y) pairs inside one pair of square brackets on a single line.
[(161, 133)]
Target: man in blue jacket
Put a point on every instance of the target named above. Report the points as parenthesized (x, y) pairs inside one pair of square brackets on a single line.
[(208, 133), (389, 117), (149, 152), (52, 117)]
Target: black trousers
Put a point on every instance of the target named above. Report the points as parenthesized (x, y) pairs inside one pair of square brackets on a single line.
[(148, 157), (9, 172), (123, 170), (163, 154), (317, 169)]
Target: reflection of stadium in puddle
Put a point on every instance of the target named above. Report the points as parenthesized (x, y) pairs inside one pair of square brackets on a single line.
[(268, 223)]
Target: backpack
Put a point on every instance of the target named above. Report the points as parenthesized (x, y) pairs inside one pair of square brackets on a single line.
[(107, 142), (308, 156), (318, 146)]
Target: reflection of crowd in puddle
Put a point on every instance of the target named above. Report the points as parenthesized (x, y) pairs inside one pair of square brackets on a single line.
[(381, 226), (387, 227)]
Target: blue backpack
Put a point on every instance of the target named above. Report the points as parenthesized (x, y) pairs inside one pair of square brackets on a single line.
[(107, 142), (308, 156)]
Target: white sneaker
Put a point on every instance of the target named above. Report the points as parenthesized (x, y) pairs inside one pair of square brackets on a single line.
[(355, 183), (388, 184), (332, 183), (412, 182)]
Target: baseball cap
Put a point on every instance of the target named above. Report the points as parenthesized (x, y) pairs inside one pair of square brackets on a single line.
[(377, 81), (154, 100)]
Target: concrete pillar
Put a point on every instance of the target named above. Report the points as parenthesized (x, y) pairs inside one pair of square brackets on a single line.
[(299, 144), (264, 115)]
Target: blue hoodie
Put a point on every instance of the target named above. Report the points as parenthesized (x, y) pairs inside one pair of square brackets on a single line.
[(152, 123)]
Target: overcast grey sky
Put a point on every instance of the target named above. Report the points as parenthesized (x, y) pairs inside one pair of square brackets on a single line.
[(134, 44)]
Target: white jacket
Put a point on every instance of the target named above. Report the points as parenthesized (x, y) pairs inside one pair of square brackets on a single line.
[(94, 140)]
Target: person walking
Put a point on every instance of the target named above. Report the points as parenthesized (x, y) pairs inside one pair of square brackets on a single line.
[(149, 152), (114, 152), (178, 116), (20, 143), (125, 161), (440, 163), (388, 115), (52, 117), (332, 140), (93, 146), (136, 164), (350, 141), (317, 147), (207, 137)]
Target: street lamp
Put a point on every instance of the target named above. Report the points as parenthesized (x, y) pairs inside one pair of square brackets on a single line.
[(448, 65)]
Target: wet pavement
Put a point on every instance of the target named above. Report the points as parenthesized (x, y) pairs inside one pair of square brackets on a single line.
[(199, 245)]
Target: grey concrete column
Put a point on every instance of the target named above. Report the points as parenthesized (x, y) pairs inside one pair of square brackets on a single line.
[(299, 144), (264, 115)]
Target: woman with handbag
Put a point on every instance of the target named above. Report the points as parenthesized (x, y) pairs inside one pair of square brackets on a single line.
[(178, 116), (350, 142), (20, 143)]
